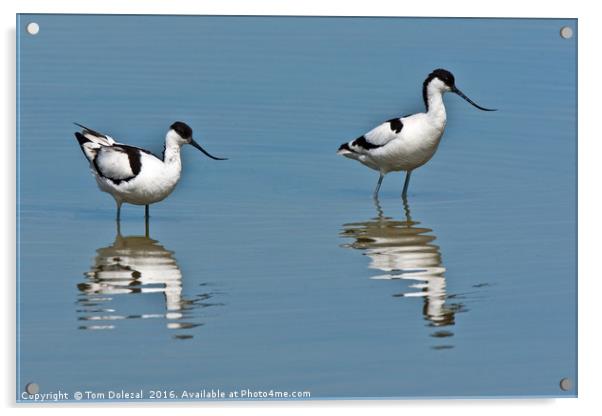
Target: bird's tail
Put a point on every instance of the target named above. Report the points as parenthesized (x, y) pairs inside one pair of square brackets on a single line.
[(345, 150), (96, 137), (90, 141), (89, 148)]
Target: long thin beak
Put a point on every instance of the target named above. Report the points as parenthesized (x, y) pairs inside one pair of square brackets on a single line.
[(461, 94), (198, 146)]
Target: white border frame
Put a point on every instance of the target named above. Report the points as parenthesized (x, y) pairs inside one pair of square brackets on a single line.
[(589, 196)]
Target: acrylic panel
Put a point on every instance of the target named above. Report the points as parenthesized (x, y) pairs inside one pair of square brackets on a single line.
[(275, 274)]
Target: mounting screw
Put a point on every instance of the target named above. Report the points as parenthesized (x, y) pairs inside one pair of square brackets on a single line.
[(33, 28), (565, 384), (32, 388), (566, 32)]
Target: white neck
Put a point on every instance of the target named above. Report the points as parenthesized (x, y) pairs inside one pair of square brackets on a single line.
[(171, 154), (434, 99)]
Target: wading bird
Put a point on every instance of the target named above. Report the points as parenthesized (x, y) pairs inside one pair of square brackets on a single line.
[(132, 174), (406, 143)]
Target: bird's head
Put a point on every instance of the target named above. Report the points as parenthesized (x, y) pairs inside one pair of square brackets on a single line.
[(441, 79), (444, 81), (180, 133)]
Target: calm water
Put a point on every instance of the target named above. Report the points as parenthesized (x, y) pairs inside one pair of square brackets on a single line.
[(275, 269)]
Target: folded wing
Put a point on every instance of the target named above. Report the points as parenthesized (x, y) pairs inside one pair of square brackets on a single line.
[(375, 138), (111, 160), (117, 163)]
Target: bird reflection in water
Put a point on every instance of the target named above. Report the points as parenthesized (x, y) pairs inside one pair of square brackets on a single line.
[(403, 250), (138, 265)]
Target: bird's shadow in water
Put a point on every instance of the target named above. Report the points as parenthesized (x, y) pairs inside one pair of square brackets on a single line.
[(138, 266), (405, 251)]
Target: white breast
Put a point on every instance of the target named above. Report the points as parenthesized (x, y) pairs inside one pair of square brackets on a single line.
[(154, 183), (416, 144)]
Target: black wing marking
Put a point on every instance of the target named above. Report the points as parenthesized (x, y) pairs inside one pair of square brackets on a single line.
[(396, 124), (375, 138), (364, 144), (119, 163)]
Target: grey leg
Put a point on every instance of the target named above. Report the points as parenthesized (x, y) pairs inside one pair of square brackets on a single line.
[(146, 222), (380, 181), (118, 212), (404, 193)]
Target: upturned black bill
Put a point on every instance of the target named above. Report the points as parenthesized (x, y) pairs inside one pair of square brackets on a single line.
[(461, 94), (198, 146)]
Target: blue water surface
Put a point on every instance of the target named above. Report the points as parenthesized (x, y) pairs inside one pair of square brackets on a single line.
[(275, 270)]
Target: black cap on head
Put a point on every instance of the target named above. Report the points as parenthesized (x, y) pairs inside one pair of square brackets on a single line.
[(182, 129), (442, 74)]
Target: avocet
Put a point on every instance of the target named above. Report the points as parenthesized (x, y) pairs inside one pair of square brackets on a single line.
[(134, 175), (406, 143)]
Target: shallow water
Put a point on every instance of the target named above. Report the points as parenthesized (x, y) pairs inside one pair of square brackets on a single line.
[(275, 269)]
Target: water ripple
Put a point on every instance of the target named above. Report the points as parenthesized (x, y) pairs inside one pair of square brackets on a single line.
[(402, 250), (138, 266)]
